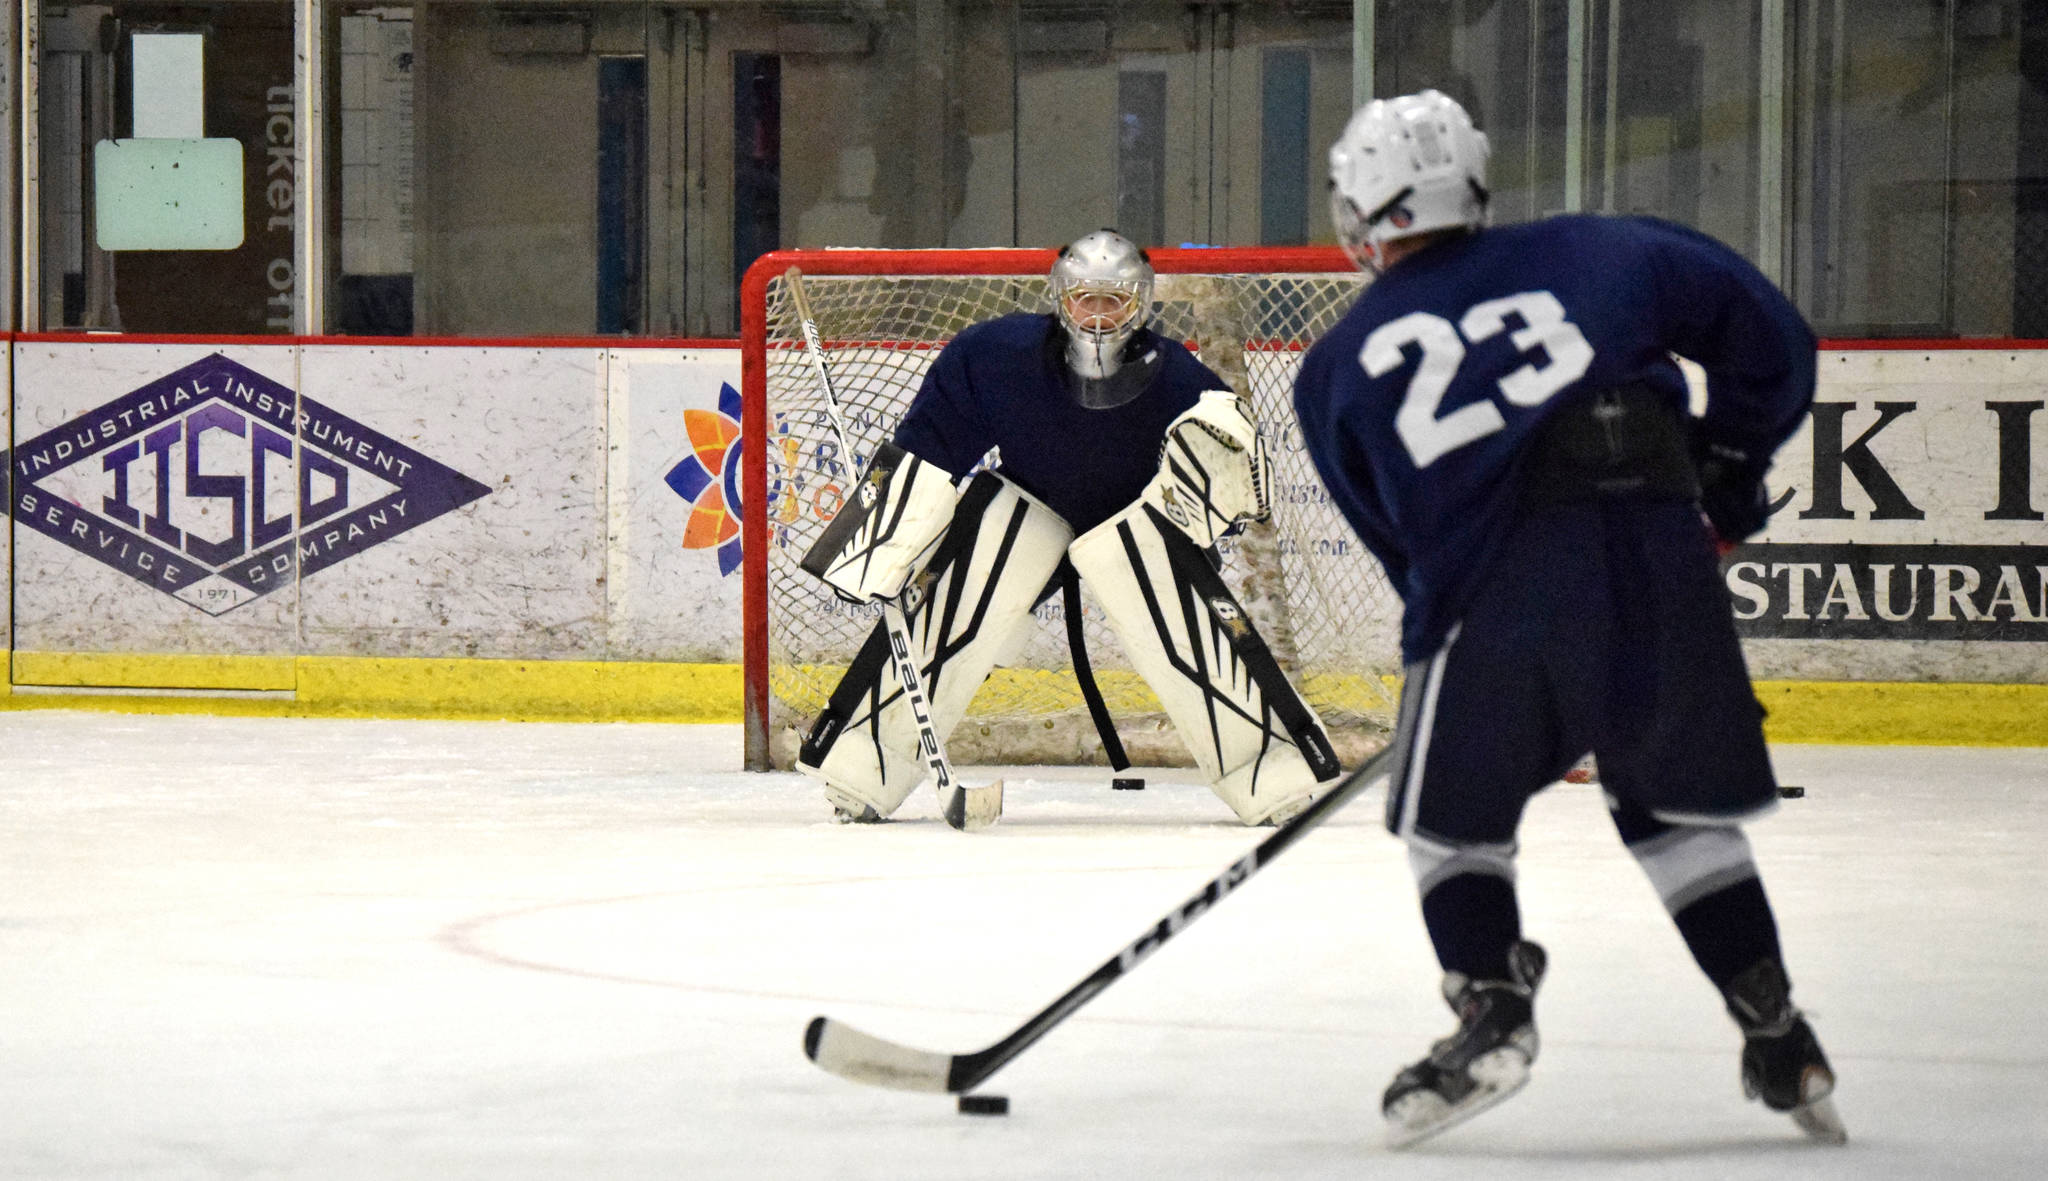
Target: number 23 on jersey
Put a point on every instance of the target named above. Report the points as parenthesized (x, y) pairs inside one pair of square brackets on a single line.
[(1429, 436)]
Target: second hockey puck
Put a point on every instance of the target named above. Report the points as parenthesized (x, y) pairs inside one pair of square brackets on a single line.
[(984, 1105), (1789, 792), (1127, 784)]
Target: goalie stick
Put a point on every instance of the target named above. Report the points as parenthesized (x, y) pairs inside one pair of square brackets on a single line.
[(865, 1058), (965, 808)]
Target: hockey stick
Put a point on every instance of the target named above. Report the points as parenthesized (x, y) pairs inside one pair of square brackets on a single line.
[(965, 808), (865, 1058)]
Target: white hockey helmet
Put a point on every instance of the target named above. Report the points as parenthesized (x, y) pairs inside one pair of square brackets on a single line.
[(1102, 293), (1406, 166)]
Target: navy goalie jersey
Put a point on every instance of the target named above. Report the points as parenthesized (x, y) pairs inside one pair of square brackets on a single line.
[(1002, 384), (1418, 406)]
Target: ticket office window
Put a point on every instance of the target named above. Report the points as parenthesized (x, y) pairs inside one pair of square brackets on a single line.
[(168, 181)]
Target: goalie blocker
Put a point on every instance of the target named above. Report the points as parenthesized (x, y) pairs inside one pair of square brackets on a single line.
[(1257, 741), (896, 513)]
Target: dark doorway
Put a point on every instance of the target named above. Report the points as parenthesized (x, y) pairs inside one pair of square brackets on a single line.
[(621, 194)]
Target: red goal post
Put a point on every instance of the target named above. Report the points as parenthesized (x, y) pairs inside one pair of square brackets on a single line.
[(1317, 596)]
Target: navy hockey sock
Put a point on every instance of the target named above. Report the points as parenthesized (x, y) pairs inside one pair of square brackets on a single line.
[(1729, 930), (1473, 920)]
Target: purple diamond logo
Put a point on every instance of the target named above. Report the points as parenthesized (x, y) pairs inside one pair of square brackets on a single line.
[(217, 485)]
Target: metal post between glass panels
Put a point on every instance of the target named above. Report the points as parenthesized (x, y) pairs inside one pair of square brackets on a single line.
[(28, 308), (1770, 164), (309, 310)]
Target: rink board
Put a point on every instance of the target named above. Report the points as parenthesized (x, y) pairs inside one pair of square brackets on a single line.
[(1912, 544), (550, 530), (201, 514)]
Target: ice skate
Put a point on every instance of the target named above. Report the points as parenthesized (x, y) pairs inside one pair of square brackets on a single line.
[(850, 809), (1480, 1065), (1782, 1063)]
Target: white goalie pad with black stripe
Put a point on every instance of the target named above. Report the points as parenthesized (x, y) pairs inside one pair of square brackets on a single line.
[(1250, 731), (886, 529), (984, 578), (1212, 469)]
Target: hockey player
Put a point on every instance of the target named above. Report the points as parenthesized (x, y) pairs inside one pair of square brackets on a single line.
[(1117, 451), (1501, 421)]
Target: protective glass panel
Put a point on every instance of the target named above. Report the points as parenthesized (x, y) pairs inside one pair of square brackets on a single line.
[(538, 168), (145, 226), (373, 291), (546, 169), (496, 165), (1873, 158), (1917, 201)]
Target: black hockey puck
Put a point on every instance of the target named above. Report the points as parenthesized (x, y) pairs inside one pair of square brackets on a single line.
[(1127, 784), (1788, 792), (984, 1105)]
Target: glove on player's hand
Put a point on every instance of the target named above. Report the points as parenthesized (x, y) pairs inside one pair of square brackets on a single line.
[(1732, 491)]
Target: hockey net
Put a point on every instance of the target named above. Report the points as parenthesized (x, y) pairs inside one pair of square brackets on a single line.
[(1317, 596)]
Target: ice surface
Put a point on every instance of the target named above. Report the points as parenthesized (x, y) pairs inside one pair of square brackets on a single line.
[(311, 949)]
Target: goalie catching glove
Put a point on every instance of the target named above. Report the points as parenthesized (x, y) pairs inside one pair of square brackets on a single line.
[(1212, 469), (887, 529)]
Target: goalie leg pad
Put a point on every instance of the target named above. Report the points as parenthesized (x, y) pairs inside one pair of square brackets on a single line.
[(979, 590), (1270, 788), (1260, 744)]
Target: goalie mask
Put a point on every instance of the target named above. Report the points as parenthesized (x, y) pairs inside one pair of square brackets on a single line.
[(1406, 166), (1102, 295)]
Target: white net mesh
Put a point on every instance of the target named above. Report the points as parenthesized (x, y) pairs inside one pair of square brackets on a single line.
[(1317, 596)]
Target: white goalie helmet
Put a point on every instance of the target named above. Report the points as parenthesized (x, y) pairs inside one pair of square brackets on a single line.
[(1406, 166), (1102, 293)]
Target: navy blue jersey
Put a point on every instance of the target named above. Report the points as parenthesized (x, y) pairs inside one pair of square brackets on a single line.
[(1418, 406), (1001, 384)]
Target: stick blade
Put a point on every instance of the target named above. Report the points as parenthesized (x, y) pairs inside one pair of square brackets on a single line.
[(864, 1058), (972, 808)]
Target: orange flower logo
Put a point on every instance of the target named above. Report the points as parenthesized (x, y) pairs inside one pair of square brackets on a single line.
[(709, 479)]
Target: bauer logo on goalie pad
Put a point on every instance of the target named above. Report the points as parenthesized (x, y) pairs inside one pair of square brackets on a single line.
[(1230, 616)]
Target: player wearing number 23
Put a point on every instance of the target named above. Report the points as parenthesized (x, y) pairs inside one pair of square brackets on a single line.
[(1501, 420)]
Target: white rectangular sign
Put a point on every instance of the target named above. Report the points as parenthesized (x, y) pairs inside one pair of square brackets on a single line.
[(1910, 538)]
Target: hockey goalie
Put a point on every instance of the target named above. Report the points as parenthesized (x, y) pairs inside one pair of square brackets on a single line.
[(1120, 460)]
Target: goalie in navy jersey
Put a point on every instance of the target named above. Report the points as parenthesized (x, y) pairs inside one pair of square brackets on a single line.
[(1121, 460), (1501, 420)]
